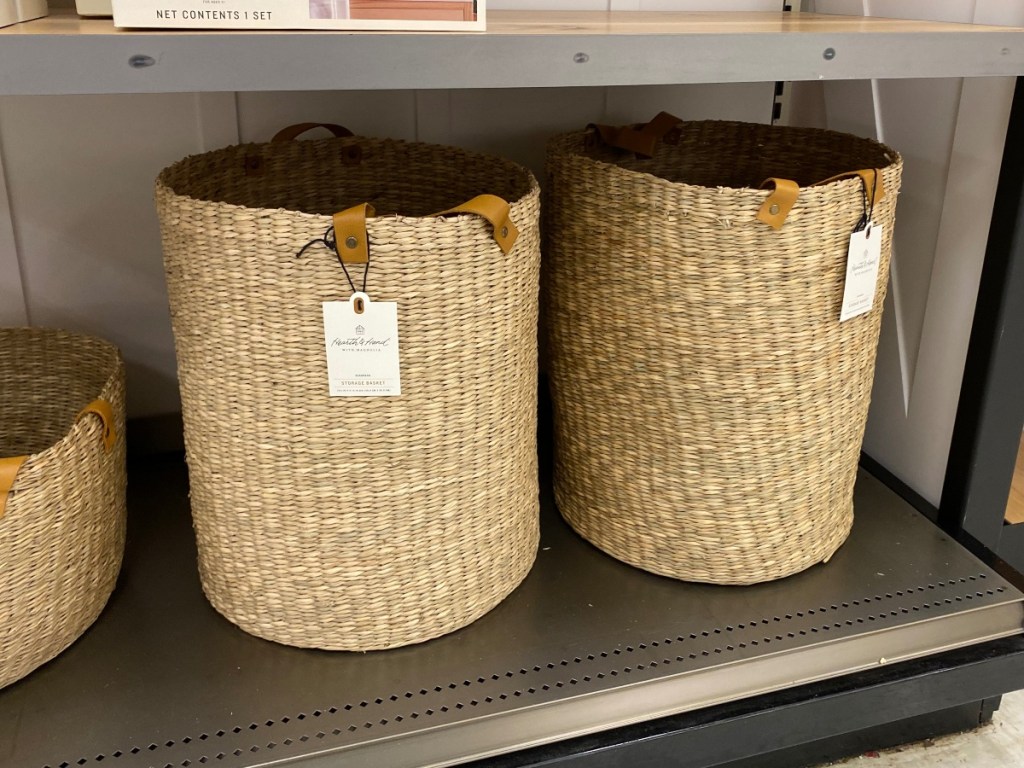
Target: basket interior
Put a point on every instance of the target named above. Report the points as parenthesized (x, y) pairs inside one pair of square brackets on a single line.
[(46, 378), (742, 155), (326, 176)]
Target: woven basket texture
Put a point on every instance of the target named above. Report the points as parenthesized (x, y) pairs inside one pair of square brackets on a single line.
[(354, 523), (62, 532), (709, 405)]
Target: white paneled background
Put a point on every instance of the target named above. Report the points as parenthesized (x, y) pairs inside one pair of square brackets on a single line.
[(79, 244), (950, 133)]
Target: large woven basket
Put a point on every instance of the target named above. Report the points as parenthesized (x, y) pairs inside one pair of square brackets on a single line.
[(709, 404), (354, 522), (62, 490)]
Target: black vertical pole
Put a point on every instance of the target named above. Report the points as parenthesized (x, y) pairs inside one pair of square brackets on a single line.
[(990, 413)]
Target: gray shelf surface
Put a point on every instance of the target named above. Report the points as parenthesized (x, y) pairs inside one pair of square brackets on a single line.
[(585, 644), (64, 54)]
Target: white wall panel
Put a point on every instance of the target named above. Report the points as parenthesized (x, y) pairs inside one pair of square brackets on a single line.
[(370, 113), (950, 133), (516, 123), (80, 174), (12, 294), (217, 114), (734, 101)]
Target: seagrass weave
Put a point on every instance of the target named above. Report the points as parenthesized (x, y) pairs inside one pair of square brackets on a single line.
[(63, 518), (354, 522), (709, 405)]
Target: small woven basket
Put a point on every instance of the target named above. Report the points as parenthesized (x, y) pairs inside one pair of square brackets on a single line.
[(355, 523), (709, 404), (62, 490)]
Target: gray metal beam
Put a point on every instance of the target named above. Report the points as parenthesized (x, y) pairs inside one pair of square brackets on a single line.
[(64, 57)]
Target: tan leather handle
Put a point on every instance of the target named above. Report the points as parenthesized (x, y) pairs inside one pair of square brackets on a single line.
[(354, 245), (872, 179), (8, 469), (350, 233), (293, 132), (643, 140), (497, 212), (102, 408), (780, 201)]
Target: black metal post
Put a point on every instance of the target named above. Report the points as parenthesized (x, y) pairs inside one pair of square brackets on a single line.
[(990, 413)]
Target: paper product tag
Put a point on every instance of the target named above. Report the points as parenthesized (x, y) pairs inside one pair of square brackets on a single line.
[(362, 348), (861, 271)]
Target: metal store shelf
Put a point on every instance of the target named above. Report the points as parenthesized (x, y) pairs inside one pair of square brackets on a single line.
[(586, 644), (65, 54)]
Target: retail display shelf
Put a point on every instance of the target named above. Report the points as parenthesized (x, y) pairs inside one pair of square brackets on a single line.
[(586, 644), (63, 54)]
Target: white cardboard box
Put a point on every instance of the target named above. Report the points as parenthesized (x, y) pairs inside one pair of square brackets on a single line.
[(94, 7), (438, 15), (13, 11)]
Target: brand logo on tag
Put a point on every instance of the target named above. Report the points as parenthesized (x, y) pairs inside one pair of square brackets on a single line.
[(360, 330)]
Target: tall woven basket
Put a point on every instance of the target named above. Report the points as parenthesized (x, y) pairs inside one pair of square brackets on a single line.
[(355, 522), (62, 490), (709, 404)]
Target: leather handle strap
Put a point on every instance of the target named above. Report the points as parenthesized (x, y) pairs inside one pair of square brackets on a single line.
[(497, 211), (353, 241), (350, 233), (874, 189), (780, 201), (9, 467), (642, 141), (102, 408), (293, 132)]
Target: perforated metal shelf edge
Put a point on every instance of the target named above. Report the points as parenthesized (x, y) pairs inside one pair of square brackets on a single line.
[(585, 644)]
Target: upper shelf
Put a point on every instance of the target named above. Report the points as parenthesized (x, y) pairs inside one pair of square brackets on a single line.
[(65, 54)]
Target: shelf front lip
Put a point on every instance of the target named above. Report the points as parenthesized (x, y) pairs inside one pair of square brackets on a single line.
[(65, 57), (601, 710)]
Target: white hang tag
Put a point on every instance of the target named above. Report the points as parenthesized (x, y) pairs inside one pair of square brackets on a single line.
[(362, 348), (862, 261)]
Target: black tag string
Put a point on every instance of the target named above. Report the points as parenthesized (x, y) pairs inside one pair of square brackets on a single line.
[(868, 213), (331, 243)]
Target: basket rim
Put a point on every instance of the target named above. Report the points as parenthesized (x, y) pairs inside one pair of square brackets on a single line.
[(162, 185), (109, 382), (553, 153), (371, 222)]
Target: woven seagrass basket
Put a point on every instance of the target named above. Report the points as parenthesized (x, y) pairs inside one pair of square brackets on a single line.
[(62, 490), (355, 523), (709, 404)]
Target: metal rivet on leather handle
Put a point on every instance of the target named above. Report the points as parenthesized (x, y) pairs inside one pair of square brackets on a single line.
[(779, 203), (497, 212), (350, 232)]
